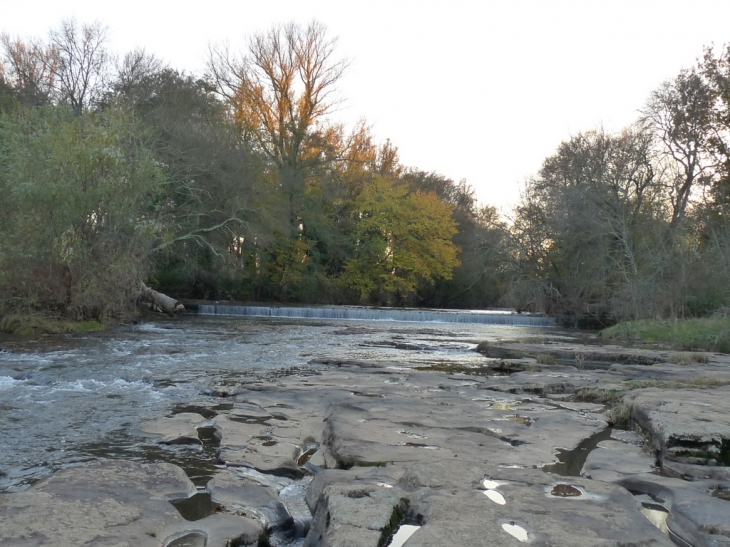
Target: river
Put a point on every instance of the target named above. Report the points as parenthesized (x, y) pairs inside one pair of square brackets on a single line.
[(68, 399)]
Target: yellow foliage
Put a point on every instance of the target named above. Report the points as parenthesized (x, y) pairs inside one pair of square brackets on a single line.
[(404, 240)]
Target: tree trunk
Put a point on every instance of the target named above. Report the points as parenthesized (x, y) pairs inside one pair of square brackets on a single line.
[(160, 302)]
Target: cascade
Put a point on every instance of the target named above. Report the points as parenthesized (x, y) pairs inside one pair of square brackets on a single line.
[(493, 317)]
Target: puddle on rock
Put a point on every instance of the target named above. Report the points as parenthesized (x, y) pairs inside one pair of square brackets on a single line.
[(198, 462), (205, 412), (515, 531), (504, 406), (304, 456), (653, 509), (657, 515), (570, 462), (411, 434), (363, 394), (565, 491), (193, 539), (251, 420), (524, 420), (222, 407), (721, 493), (403, 534), (489, 484), (196, 507), (495, 496), (209, 436), (421, 445), (201, 474), (266, 440)]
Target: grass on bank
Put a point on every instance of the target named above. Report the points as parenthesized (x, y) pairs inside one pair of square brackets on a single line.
[(699, 334), (40, 324)]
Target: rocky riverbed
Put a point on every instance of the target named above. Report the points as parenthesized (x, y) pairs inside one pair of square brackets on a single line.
[(518, 448)]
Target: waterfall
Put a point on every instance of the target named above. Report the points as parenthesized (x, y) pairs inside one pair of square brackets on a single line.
[(379, 314)]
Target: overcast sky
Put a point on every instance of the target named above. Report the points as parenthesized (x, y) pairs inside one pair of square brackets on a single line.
[(482, 91)]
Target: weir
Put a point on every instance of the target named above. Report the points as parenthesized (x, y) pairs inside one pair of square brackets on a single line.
[(379, 314)]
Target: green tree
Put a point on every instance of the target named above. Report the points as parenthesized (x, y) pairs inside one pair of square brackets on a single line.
[(80, 215), (480, 279), (586, 234), (215, 185), (402, 241)]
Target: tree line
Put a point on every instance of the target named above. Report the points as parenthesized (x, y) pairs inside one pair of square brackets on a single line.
[(634, 224), (240, 184), (236, 184)]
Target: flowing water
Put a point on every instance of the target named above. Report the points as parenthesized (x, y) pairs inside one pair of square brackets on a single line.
[(68, 399)]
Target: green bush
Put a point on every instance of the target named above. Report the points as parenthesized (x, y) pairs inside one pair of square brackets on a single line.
[(79, 211), (702, 334)]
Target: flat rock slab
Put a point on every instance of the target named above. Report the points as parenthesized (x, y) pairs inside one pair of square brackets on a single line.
[(693, 517), (102, 503), (548, 509), (613, 460), (382, 434), (553, 382), (708, 373), (349, 515), (689, 426), (237, 495), (178, 429), (580, 352)]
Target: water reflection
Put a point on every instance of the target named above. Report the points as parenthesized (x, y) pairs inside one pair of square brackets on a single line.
[(515, 531), (196, 507), (403, 534), (570, 462), (193, 539)]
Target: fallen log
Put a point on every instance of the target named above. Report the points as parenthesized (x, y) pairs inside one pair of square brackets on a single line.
[(160, 302)]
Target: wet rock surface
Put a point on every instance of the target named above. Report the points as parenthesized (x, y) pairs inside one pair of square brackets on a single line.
[(344, 456), (111, 503)]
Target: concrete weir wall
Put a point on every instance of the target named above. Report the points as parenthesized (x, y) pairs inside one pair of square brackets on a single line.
[(379, 314)]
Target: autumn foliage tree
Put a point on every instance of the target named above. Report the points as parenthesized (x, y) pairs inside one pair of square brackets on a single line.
[(331, 185), (280, 91), (403, 241)]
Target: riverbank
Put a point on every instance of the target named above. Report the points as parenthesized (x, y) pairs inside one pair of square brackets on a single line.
[(34, 324), (697, 334), (494, 454)]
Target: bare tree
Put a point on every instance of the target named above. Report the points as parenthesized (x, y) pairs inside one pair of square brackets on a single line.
[(279, 91), (30, 68), (583, 231), (280, 88), (83, 64), (679, 115), (137, 65)]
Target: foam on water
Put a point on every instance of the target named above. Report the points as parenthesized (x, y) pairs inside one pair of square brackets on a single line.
[(8, 382)]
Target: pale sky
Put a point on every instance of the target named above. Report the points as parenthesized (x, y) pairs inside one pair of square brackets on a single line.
[(482, 91)]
